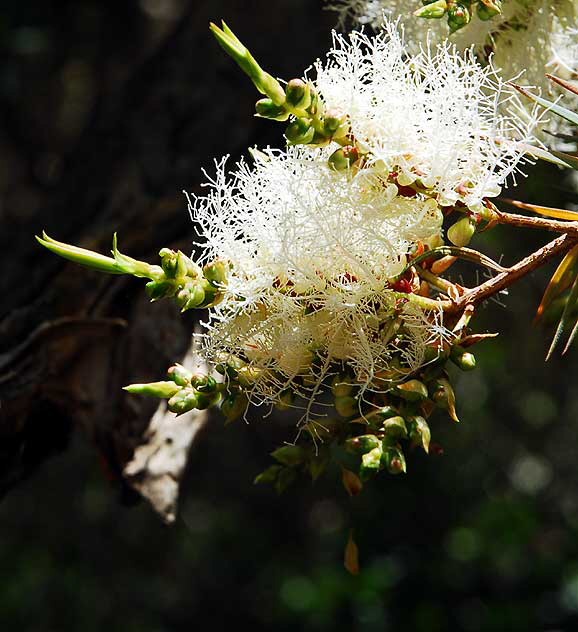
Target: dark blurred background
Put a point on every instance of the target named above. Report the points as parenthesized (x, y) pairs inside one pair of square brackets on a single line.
[(107, 111)]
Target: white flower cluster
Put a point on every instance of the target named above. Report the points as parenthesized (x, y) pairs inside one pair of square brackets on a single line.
[(532, 37), (313, 251), (436, 116)]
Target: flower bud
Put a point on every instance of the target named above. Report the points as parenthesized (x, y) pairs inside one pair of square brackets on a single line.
[(335, 123), (204, 383), (444, 397), (183, 401), (298, 94), (206, 400), (299, 132), (180, 375), (435, 9), (154, 389), (362, 444), (216, 272), (233, 406), (419, 431), (412, 390), (190, 297), (159, 289), (458, 16), (169, 262), (267, 109), (289, 455), (393, 460), (371, 462), (343, 158), (346, 406), (462, 231), (248, 375), (464, 359), (395, 427), (487, 9)]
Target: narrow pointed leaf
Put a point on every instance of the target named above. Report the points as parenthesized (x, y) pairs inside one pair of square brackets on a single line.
[(565, 320), (351, 557), (82, 256), (569, 159), (560, 281), (548, 211), (565, 84), (555, 157), (551, 106)]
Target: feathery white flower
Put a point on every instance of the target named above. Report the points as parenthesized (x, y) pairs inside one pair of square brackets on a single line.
[(437, 115), (311, 252), (533, 37)]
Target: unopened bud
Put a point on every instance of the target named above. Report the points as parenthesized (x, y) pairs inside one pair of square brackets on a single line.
[(458, 16), (464, 359), (190, 296), (159, 289), (267, 109), (334, 123), (346, 406), (217, 271), (183, 401), (395, 427), (169, 262), (487, 9), (180, 375), (371, 462), (362, 444), (206, 400), (233, 406), (154, 389), (432, 10), (444, 397), (462, 231), (393, 460), (299, 132), (419, 432), (412, 390), (298, 94), (289, 455), (343, 158), (204, 383)]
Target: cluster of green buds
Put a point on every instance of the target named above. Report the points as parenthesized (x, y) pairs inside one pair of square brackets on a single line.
[(177, 277), (311, 123), (459, 12)]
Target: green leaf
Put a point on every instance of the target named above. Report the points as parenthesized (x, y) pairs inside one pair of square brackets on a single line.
[(556, 157), (551, 106), (567, 317), (154, 389), (560, 281)]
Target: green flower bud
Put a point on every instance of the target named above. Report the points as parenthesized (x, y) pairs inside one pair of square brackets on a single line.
[(298, 94), (154, 389), (180, 375), (248, 375), (217, 271), (206, 400), (160, 289), (432, 10), (371, 462), (395, 427), (204, 383), (183, 401), (464, 359), (444, 397), (346, 406), (343, 158), (487, 9), (412, 390), (385, 412), (289, 455), (233, 406), (458, 16), (393, 460), (419, 432), (265, 108), (191, 296), (335, 121), (362, 444), (462, 231), (169, 262), (299, 132)]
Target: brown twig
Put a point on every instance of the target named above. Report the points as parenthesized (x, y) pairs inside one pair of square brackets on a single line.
[(560, 245), (526, 221)]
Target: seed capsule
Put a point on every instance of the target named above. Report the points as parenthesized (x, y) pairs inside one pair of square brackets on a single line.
[(362, 444), (343, 158), (419, 432), (393, 460), (395, 427), (412, 390)]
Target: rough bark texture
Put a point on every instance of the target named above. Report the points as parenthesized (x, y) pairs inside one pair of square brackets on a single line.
[(71, 338)]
